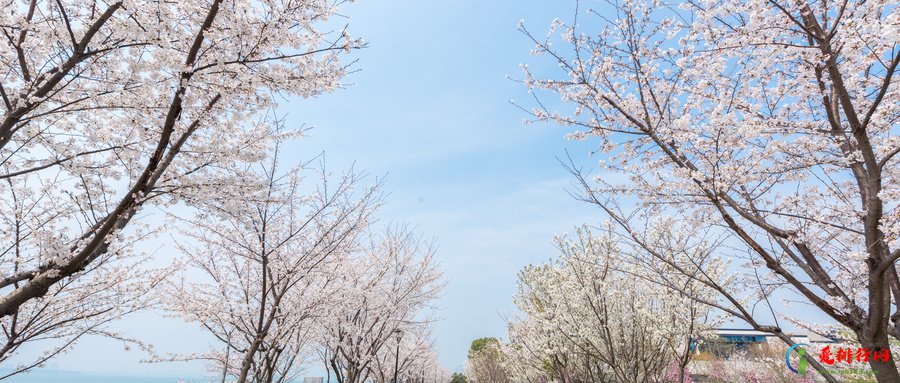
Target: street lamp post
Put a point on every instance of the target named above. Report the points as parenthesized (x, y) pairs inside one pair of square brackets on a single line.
[(399, 335)]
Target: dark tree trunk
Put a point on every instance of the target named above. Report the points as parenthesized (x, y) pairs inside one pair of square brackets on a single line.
[(885, 371)]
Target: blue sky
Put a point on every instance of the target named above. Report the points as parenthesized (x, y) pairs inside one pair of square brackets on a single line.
[(429, 109)]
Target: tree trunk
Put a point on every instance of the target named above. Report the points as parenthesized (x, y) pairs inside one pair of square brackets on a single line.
[(247, 362), (885, 371)]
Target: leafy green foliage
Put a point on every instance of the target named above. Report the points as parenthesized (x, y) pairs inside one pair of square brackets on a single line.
[(481, 344), (458, 378)]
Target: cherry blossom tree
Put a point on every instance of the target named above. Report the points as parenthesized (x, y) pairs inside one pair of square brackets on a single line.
[(525, 359), (385, 295), (110, 107), (773, 123), (74, 309), (486, 362), (418, 359), (267, 262), (587, 318)]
